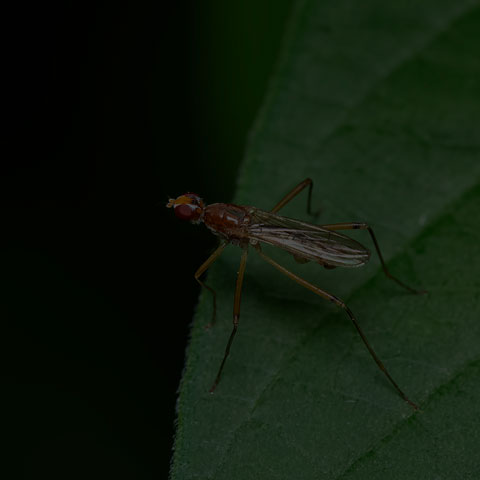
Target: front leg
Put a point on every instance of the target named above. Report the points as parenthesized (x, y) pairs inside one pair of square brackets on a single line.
[(236, 315), (203, 268)]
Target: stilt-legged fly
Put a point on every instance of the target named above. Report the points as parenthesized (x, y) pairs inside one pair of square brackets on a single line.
[(249, 226)]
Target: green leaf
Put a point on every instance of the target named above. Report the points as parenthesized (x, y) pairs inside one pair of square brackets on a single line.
[(379, 103)]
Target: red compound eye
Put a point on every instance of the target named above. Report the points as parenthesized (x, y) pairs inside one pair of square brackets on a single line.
[(187, 212), (187, 207)]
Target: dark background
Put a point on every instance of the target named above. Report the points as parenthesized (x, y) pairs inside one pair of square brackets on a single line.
[(108, 110)]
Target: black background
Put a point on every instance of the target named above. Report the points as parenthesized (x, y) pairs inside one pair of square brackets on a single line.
[(108, 111)]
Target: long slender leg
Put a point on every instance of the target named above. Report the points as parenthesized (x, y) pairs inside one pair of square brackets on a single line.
[(340, 303), (364, 226), (202, 269), (236, 314), (306, 183)]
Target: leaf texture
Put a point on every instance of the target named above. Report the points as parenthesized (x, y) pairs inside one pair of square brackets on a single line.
[(379, 103)]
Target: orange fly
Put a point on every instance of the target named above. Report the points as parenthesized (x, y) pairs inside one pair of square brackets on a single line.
[(249, 226)]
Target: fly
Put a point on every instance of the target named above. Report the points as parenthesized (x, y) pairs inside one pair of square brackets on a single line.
[(249, 226)]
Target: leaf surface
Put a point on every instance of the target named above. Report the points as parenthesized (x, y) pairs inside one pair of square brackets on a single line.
[(379, 103)]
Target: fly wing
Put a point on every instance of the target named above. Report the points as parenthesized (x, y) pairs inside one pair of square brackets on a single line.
[(306, 241)]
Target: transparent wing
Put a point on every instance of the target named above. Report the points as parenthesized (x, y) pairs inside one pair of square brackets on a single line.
[(306, 241)]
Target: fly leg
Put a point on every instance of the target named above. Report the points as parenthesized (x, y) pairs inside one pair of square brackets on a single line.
[(203, 268), (341, 304), (236, 314), (364, 226), (306, 183)]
